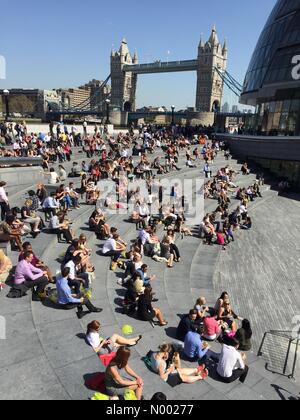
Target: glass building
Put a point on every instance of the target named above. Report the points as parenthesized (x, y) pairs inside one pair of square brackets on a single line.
[(272, 82)]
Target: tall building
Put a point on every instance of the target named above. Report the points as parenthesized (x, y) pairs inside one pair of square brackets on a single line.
[(75, 97), (226, 108), (272, 82), (98, 93), (211, 55), (124, 84), (30, 102)]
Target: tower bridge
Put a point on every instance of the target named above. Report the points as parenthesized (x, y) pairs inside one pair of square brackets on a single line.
[(212, 55)]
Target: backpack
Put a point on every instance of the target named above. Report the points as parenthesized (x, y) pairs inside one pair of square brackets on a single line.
[(16, 292)]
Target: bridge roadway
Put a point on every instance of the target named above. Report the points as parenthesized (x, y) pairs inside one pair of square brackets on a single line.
[(162, 67)]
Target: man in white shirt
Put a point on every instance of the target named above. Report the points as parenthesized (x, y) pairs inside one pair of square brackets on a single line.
[(4, 204), (111, 249), (75, 280), (232, 364)]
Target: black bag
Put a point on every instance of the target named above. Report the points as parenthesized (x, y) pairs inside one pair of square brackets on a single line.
[(18, 291)]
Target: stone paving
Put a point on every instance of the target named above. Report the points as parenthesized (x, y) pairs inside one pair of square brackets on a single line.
[(45, 355)]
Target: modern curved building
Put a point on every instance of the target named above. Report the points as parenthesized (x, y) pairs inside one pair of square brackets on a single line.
[(271, 137), (272, 82)]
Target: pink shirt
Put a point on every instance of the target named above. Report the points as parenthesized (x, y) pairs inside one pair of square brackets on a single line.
[(26, 271)]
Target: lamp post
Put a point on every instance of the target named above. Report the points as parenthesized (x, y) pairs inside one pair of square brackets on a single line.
[(173, 116), (107, 111), (6, 96)]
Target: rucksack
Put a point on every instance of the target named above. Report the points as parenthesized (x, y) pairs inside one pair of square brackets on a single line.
[(16, 292)]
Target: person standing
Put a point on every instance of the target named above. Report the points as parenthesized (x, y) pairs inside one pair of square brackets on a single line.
[(85, 128), (4, 204)]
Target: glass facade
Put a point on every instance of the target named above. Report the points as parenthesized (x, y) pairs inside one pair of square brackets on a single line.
[(272, 82)]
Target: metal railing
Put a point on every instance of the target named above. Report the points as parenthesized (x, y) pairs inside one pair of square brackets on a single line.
[(291, 341)]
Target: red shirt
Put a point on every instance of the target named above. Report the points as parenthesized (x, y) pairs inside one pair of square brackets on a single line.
[(211, 327), (220, 239)]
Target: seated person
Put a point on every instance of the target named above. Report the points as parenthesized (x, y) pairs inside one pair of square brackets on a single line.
[(85, 254), (194, 349), (172, 375), (247, 225), (202, 308), (115, 384), (5, 267), (146, 279), (31, 277), (113, 249), (35, 261), (76, 171), (211, 327), (73, 195), (227, 316), (59, 224), (245, 170), (67, 300), (187, 324), (77, 277), (232, 365), (30, 217), (110, 345), (97, 223), (244, 335), (9, 233), (146, 312), (50, 204)]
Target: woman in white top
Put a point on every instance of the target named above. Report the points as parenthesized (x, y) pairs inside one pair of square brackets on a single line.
[(62, 173), (111, 344), (53, 177)]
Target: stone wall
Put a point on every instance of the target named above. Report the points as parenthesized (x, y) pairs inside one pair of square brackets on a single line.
[(21, 176), (201, 118), (280, 155)]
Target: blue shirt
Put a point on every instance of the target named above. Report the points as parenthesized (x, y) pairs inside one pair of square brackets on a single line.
[(64, 292), (145, 279), (193, 346)]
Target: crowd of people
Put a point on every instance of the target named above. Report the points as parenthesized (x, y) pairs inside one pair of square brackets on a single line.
[(148, 156)]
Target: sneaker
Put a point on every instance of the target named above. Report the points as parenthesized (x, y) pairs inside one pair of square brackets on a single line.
[(80, 315), (120, 282), (36, 298), (97, 310)]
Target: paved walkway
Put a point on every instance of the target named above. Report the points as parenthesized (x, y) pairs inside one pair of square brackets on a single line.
[(45, 356)]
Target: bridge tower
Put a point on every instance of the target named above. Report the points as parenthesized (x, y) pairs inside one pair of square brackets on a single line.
[(209, 83), (123, 84)]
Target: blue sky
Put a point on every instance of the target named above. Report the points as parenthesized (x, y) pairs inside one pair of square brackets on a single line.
[(65, 43)]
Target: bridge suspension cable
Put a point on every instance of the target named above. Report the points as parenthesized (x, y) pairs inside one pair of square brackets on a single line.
[(230, 82), (89, 104)]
